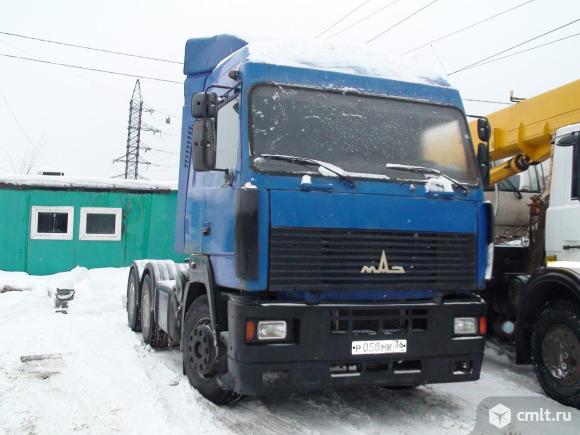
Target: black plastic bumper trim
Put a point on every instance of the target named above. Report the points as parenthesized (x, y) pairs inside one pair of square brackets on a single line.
[(306, 365)]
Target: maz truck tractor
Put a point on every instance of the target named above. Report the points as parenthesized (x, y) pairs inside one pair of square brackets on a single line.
[(335, 225)]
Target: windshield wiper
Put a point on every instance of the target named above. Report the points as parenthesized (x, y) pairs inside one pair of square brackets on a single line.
[(305, 161), (426, 171)]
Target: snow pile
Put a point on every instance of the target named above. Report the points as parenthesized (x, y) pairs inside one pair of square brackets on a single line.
[(97, 183), (346, 58), (438, 184), (40, 291), (80, 278), (249, 185)]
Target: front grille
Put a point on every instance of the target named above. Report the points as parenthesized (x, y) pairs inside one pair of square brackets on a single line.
[(333, 259), (378, 321)]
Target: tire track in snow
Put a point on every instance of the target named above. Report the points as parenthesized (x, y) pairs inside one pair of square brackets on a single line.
[(263, 420), (167, 368)]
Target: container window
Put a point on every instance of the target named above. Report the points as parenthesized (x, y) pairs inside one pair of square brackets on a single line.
[(51, 223), (101, 224)]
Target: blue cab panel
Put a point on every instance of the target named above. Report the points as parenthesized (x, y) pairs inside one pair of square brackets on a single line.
[(201, 57), (205, 201)]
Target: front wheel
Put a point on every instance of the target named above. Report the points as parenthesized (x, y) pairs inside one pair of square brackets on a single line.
[(556, 352), (199, 354)]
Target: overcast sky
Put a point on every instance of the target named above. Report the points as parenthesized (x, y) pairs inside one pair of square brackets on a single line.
[(77, 120)]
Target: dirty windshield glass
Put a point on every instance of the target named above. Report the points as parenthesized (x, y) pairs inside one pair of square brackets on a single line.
[(359, 134)]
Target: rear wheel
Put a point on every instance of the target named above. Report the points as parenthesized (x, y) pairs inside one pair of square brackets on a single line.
[(199, 354), (152, 335), (556, 352), (133, 312)]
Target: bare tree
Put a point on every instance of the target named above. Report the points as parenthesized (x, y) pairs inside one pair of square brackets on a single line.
[(7, 159), (28, 161)]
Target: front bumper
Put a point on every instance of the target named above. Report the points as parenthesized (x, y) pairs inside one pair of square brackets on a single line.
[(319, 355)]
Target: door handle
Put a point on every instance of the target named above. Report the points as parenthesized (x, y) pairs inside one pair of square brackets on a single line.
[(206, 228), (310, 186), (568, 247)]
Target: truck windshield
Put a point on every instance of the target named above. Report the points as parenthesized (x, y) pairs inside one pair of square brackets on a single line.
[(357, 133)]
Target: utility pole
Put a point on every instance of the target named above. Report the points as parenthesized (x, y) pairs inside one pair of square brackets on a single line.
[(131, 157)]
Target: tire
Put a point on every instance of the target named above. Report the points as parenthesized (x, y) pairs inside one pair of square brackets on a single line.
[(152, 335), (198, 314), (556, 352), (133, 307)]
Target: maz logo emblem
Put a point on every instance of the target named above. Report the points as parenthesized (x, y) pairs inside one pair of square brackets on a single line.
[(383, 267)]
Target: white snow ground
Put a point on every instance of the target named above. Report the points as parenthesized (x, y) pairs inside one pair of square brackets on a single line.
[(107, 381)]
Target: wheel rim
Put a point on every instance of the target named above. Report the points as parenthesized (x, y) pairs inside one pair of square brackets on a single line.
[(131, 301), (145, 310), (561, 354), (200, 349)]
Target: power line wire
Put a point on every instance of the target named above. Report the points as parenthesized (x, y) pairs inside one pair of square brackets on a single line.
[(402, 21), (102, 50), (159, 150), (101, 85), (342, 19), (521, 51), (90, 69), (153, 110), (372, 14), (467, 27), (486, 101), (439, 60), (514, 46)]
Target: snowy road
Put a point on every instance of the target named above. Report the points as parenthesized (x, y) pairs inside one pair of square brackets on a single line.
[(102, 379)]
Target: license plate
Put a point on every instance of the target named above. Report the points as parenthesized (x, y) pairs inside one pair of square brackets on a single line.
[(373, 347)]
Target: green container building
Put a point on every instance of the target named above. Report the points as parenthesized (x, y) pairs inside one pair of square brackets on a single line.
[(51, 224)]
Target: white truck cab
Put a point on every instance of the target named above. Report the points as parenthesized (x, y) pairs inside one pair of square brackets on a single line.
[(563, 215)]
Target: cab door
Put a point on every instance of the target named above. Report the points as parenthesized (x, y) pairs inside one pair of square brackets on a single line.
[(218, 215), (563, 216)]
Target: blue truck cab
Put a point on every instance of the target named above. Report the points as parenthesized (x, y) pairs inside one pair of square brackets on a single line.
[(336, 229)]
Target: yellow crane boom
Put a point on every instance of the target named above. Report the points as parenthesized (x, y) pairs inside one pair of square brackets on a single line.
[(525, 130)]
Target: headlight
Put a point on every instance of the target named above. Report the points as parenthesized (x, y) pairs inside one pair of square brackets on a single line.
[(465, 325), (272, 330)]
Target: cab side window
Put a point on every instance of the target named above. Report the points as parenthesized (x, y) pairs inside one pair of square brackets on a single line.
[(576, 173), (228, 135)]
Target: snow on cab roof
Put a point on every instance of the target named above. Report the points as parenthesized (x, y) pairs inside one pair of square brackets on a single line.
[(345, 58), (84, 183)]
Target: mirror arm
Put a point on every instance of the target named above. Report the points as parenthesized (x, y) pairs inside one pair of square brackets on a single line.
[(228, 90)]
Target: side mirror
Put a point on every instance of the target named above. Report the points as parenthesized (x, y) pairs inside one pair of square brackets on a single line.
[(569, 140), (483, 160), (203, 150), (204, 105), (483, 129)]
